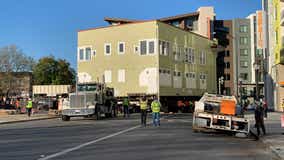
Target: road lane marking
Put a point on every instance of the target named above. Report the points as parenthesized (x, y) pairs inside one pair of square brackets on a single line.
[(87, 144), (188, 121)]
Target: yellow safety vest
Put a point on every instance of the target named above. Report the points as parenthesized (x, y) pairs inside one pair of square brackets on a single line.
[(30, 104), (143, 105), (155, 106), (125, 102)]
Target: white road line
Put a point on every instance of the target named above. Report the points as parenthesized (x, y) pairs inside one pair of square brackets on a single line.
[(87, 144), (189, 121)]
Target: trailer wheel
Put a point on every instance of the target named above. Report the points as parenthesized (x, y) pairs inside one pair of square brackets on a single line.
[(65, 118)]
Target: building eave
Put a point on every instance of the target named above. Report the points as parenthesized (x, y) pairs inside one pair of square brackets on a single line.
[(119, 20), (83, 30), (177, 17)]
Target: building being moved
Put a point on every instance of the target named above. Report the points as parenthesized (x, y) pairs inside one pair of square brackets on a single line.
[(153, 57)]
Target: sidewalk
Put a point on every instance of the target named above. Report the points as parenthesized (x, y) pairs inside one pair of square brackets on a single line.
[(274, 138), (5, 119)]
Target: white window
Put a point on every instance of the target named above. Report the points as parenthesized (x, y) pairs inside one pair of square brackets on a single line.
[(192, 75), (81, 54), (203, 58), (243, 40), (151, 47), (85, 53), (244, 64), (176, 53), (121, 75), (143, 47), (202, 76), (147, 47), (107, 76), (244, 52), (243, 28), (121, 47), (177, 74), (190, 55), (88, 53), (164, 48), (167, 48), (107, 49), (186, 55)]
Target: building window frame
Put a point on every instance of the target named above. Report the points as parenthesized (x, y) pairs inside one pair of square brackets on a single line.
[(105, 49), (164, 47), (244, 40), (203, 77), (147, 51), (84, 58), (243, 28), (203, 58), (189, 55), (243, 53), (81, 55), (244, 64), (108, 76), (123, 48), (121, 76), (89, 57)]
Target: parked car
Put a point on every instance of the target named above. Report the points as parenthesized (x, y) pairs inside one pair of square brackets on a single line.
[(7, 106), (44, 105)]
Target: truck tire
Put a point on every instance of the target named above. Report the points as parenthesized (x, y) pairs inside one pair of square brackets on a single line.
[(65, 118)]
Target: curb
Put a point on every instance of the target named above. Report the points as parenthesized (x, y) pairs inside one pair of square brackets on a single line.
[(28, 120), (275, 152), (272, 149)]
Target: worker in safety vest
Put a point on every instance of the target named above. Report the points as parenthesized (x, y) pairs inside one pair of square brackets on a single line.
[(156, 106), (126, 107), (29, 106), (143, 109)]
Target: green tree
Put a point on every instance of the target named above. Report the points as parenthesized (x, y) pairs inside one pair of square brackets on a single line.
[(12, 60), (51, 71)]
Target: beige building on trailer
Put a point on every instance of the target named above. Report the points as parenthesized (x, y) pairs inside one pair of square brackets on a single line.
[(150, 57)]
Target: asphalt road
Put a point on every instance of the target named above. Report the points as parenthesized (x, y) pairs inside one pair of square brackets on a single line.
[(122, 139)]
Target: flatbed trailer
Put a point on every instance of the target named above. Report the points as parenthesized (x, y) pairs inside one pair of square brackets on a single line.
[(203, 119)]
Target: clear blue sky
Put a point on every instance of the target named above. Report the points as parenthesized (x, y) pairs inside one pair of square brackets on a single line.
[(44, 27)]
